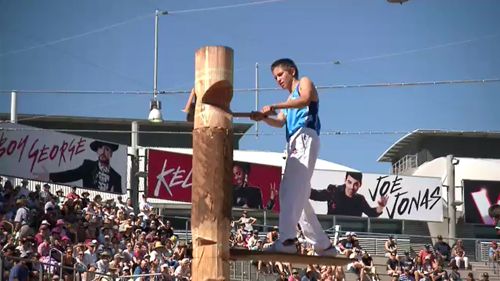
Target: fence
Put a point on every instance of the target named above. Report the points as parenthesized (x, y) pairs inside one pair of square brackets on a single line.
[(239, 270), (46, 270)]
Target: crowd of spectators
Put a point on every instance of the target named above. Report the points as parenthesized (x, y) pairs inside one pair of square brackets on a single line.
[(438, 262), (91, 238), (96, 239)]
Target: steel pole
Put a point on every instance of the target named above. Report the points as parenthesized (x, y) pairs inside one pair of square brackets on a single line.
[(155, 70), (451, 197), (134, 167), (256, 97), (13, 107)]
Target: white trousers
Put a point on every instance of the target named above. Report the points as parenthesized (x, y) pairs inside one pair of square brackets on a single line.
[(465, 259), (295, 189)]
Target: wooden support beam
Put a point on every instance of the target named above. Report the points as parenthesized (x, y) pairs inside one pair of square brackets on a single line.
[(212, 164), (295, 259)]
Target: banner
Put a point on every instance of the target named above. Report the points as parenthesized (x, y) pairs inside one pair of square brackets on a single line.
[(45, 155), (255, 186), (478, 197), (376, 195)]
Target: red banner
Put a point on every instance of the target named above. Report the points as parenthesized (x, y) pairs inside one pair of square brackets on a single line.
[(256, 186), (479, 196)]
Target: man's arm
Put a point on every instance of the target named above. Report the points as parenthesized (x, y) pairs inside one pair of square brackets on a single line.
[(323, 195), (375, 211), (70, 175), (272, 195), (307, 92), (369, 211), (236, 222), (116, 181), (277, 122), (270, 204), (386, 246)]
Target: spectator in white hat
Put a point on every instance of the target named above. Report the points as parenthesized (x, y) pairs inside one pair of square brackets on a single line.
[(183, 271)]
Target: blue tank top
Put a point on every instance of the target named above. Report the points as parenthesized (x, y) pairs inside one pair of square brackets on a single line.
[(306, 117)]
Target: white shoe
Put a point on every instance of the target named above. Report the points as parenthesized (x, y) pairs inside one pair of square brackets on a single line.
[(328, 252), (278, 247)]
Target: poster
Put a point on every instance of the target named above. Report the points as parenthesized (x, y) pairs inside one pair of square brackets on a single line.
[(376, 195), (478, 198), (255, 186), (45, 155)]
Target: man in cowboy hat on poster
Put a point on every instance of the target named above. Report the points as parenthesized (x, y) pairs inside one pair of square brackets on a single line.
[(98, 175)]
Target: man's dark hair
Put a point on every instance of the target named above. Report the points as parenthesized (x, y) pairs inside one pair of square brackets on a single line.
[(243, 165), (286, 63), (355, 175)]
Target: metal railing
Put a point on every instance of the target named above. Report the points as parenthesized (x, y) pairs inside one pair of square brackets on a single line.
[(482, 248), (242, 271), (152, 277), (53, 267), (404, 164), (476, 249)]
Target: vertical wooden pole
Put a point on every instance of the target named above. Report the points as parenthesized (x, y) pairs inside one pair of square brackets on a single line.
[(212, 163)]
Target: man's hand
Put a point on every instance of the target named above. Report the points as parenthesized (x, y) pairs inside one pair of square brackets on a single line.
[(383, 201), (268, 110), (274, 191), (381, 204)]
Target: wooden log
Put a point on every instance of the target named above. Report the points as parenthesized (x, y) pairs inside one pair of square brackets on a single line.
[(295, 259), (212, 164)]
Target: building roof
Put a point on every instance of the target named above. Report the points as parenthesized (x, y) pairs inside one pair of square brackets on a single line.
[(393, 153), (466, 169), (118, 130)]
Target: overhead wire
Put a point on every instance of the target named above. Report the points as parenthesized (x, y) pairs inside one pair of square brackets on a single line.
[(261, 89), (68, 38), (456, 43), (323, 133), (148, 15), (223, 7), (410, 51), (79, 58)]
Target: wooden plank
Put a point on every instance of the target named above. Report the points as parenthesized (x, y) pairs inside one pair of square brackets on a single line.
[(295, 259)]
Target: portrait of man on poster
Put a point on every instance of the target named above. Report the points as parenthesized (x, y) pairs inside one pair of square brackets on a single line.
[(345, 200), (244, 194), (94, 174)]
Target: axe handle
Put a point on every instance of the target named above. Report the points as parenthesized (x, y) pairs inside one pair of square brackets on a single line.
[(245, 114)]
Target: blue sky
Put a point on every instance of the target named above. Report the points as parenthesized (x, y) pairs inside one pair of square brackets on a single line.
[(93, 45)]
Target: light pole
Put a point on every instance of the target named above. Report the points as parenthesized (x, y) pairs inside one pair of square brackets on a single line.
[(13, 107), (155, 104), (451, 162)]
